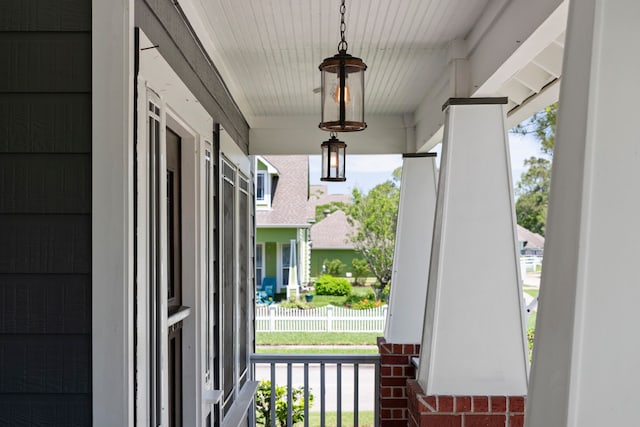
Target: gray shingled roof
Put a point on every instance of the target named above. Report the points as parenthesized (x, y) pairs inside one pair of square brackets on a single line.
[(534, 240), (332, 232), (289, 201)]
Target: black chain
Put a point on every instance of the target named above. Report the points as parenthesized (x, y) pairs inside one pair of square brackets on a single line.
[(343, 45)]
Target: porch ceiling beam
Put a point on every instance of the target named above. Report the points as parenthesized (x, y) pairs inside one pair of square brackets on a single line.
[(301, 135), (164, 24), (498, 49)]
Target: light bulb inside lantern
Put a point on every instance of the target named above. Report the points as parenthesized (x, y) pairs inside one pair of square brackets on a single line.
[(333, 159), (347, 94)]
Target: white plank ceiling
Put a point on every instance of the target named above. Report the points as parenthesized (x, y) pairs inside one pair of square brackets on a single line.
[(268, 51)]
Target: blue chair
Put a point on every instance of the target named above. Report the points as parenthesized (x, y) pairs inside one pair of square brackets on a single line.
[(267, 292)]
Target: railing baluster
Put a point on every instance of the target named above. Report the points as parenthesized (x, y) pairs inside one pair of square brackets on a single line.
[(356, 388), (306, 394), (273, 395), (339, 393), (376, 408), (289, 396), (322, 396)]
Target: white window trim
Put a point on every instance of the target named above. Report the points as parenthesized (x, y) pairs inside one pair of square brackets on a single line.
[(112, 376)]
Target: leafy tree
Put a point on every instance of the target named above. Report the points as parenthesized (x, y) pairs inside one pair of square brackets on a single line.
[(375, 215), (360, 269), (533, 187), (335, 267)]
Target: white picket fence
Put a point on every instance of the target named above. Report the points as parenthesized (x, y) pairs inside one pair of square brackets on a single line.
[(274, 318)]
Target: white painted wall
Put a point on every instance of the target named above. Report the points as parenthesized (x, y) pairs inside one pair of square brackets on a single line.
[(585, 364), (412, 251), (473, 339)]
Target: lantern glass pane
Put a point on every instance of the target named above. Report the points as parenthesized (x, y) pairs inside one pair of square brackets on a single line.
[(330, 87), (325, 161), (341, 162)]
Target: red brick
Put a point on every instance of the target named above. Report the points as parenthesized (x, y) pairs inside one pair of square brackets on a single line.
[(396, 349), (398, 414), (398, 371), (393, 381), (516, 404), (394, 423), (386, 371), (498, 404), (383, 348), (463, 404), (432, 401), (439, 420), (480, 404), (385, 413), (409, 371), (386, 359), (393, 403), (516, 421), (386, 391), (445, 403), (485, 420), (399, 392), (409, 349)]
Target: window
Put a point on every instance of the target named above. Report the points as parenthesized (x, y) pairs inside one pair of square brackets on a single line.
[(285, 263), (259, 264), (261, 186)]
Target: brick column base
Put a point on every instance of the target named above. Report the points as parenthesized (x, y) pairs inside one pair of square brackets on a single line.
[(395, 369), (463, 411)]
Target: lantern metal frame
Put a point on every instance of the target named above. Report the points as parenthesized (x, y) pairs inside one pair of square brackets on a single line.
[(342, 65), (334, 156)]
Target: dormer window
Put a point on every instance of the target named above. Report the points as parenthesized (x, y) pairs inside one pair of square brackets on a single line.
[(266, 176), (262, 186)]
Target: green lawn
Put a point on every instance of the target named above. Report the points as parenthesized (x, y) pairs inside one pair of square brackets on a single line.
[(365, 419), (316, 338), (318, 350)]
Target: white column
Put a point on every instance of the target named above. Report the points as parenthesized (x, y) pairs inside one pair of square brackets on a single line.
[(412, 250), (112, 367), (586, 357), (293, 284), (473, 342)]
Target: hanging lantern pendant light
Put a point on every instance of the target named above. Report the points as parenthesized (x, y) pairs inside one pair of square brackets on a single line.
[(333, 159), (342, 88)]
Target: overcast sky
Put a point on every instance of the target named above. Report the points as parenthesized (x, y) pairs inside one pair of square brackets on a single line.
[(365, 172)]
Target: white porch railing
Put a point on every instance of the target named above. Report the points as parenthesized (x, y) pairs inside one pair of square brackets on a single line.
[(322, 319), (339, 383)]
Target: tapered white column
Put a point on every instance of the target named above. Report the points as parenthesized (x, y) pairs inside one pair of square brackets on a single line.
[(473, 340), (586, 369), (412, 250)]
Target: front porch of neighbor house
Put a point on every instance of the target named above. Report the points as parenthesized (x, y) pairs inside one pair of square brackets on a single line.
[(127, 231)]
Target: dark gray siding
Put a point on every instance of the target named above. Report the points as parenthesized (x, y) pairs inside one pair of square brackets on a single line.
[(45, 213)]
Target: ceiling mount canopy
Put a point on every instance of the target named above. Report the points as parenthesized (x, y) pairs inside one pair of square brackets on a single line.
[(333, 159), (342, 88)]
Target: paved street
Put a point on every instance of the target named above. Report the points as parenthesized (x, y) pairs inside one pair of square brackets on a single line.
[(366, 383)]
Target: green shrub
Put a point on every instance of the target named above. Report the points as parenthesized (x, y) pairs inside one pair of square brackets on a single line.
[(384, 295), (360, 270), (294, 303), (263, 404), (335, 267), (366, 304), (329, 285), (354, 298), (531, 335)]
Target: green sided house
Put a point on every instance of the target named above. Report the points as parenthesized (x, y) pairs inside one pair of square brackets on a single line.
[(282, 226)]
